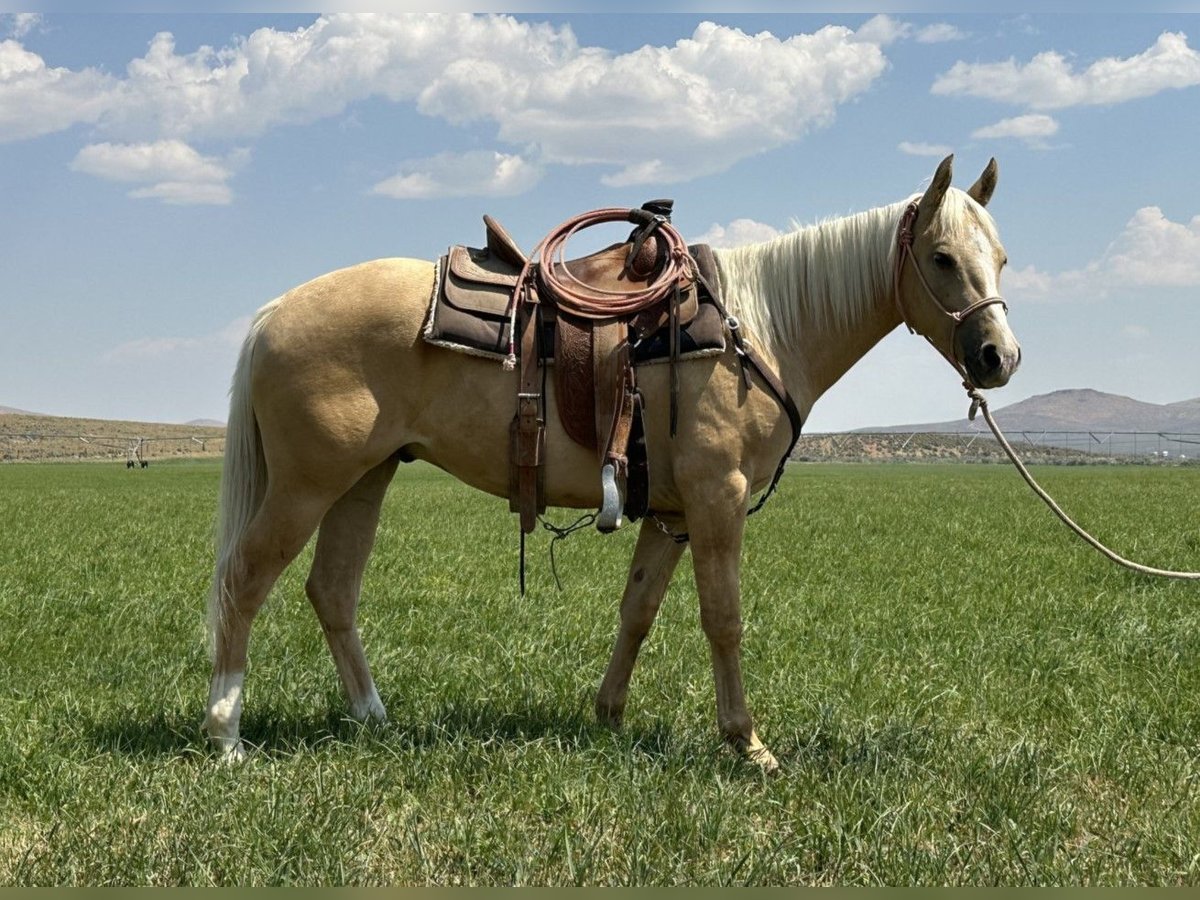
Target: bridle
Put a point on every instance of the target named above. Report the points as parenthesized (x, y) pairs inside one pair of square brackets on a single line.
[(904, 244)]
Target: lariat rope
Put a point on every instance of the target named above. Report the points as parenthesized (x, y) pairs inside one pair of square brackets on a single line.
[(592, 302), (904, 242)]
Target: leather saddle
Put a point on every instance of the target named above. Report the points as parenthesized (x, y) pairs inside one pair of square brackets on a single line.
[(594, 354)]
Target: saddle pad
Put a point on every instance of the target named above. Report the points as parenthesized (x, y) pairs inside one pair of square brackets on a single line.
[(469, 313)]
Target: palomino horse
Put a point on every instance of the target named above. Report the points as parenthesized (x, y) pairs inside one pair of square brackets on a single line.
[(335, 387)]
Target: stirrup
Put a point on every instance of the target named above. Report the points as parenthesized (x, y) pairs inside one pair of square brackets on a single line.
[(609, 517)]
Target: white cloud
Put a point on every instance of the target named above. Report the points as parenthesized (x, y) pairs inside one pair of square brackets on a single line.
[(1049, 80), (918, 148), (186, 193), (23, 23), (1135, 332), (1150, 252), (938, 33), (659, 113), (221, 343), (737, 233), (479, 173), (883, 30), (1033, 129), (1028, 282), (169, 160), (36, 99), (176, 172), (1154, 251)]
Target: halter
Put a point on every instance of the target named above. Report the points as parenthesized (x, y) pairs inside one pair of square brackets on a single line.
[(904, 244)]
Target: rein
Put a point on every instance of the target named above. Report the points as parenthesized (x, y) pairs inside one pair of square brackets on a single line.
[(904, 242)]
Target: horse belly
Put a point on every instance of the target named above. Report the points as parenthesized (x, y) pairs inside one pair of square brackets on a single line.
[(465, 429)]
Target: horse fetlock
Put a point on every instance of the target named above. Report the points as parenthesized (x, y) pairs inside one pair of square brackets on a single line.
[(231, 753)]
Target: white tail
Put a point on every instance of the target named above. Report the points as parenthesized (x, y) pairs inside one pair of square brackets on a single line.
[(243, 475)]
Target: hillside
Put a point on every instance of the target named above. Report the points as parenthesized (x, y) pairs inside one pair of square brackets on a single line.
[(1078, 410), (29, 436)]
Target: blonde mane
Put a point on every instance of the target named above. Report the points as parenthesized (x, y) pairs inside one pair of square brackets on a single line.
[(831, 274)]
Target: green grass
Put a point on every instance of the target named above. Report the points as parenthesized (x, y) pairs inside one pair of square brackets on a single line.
[(958, 692)]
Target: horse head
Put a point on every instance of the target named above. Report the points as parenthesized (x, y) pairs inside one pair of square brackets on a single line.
[(947, 278)]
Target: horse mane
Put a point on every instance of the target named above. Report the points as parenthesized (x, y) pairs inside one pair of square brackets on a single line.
[(832, 273)]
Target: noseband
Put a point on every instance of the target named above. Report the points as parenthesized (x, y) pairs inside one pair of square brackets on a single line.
[(904, 245)]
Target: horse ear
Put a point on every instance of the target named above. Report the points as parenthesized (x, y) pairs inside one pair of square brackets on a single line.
[(981, 190), (932, 198)]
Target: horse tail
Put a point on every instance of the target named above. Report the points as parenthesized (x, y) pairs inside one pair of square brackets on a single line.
[(243, 477)]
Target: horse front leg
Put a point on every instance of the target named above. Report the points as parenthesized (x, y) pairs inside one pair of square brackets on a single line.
[(654, 560), (716, 520)]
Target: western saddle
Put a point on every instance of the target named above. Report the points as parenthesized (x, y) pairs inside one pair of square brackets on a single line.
[(603, 305), (597, 317)]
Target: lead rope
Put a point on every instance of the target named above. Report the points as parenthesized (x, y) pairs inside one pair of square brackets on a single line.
[(980, 404), (904, 241)]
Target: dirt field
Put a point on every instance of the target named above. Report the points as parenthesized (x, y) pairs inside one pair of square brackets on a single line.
[(26, 438)]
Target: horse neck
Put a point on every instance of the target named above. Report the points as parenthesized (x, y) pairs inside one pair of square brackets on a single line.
[(814, 301)]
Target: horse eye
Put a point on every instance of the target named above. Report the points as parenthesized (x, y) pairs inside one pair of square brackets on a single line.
[(943, 260)]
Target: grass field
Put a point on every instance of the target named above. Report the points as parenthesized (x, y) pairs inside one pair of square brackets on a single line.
[(958, 692)]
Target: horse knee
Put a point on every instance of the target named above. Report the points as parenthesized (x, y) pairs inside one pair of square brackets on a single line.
[(637, 621)]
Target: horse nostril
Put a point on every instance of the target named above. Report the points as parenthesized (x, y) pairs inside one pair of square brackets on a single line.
[(990, 357)]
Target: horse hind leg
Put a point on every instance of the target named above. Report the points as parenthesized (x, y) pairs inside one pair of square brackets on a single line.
[(654, 560), (276, 534), (344, 543)]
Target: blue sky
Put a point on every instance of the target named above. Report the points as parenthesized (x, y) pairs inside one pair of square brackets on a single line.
[(162, 176)]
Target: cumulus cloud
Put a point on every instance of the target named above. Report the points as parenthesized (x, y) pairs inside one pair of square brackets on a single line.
[(1151, 251), (883, 29), (1050, 80), (475, 174), (173, 171), (737, 233), (939, 33), (1033, 129), (656, 114), (36, 99), (918, 148)]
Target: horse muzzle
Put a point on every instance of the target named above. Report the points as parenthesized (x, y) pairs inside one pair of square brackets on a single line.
[(993, 363)]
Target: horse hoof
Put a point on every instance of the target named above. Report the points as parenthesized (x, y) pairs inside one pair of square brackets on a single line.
[(233, 754), (755, 751), (764, 759), (371, 711), (609, 717)]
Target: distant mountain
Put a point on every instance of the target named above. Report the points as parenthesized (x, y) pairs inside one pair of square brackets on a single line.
[(215, 423), (1078, 410), (10, 411)]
